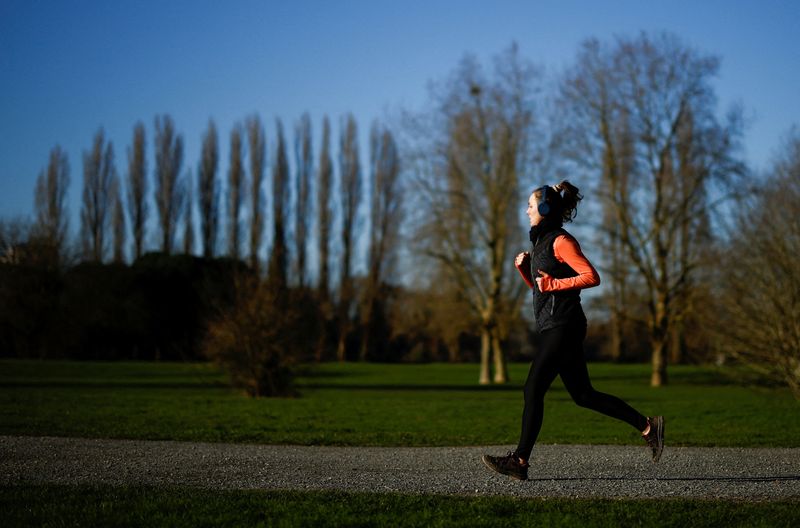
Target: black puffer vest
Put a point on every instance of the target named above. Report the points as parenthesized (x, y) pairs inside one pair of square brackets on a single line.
[(552, 309)]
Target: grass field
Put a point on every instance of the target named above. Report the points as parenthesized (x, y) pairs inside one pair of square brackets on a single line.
[(176, 507), (378, 405), (368, 404)]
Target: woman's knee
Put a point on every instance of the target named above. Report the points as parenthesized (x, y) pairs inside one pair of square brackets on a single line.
[(533, 392), (584, 397)]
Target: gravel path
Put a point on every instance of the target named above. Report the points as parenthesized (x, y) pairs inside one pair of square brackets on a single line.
[(556, 470)]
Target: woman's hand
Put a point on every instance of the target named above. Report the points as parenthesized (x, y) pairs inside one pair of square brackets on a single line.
[(524, 269), (545, 281)]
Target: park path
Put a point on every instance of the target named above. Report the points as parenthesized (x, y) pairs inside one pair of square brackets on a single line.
[(556, 470)]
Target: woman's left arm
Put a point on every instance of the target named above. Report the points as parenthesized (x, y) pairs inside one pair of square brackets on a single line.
[(566, 249)]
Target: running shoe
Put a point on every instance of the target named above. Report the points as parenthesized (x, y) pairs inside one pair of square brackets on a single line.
[(655, 437), (507, 465)]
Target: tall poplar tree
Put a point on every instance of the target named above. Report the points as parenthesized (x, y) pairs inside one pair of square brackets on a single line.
[(384, 229), (52, 223), (350, 198), (118, 224), (305, 168), (324, 225), (277, 271), (236, 186), (96, 210), (208, 191), (169, 194), (137, 189), (256, 142), (188, 221)]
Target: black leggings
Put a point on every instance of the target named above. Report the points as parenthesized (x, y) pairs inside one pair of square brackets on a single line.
[(561, 353)]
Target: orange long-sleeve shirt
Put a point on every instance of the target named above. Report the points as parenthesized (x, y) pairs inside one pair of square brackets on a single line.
[(567, 250)]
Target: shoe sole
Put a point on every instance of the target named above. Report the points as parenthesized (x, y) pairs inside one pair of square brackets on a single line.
[(659, 425), (490, 466)]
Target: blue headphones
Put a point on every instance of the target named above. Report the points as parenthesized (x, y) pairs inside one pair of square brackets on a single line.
[(544, 207)]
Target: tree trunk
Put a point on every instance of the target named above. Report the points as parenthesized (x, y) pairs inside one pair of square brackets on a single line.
[(453, 354), (341, 348), (616, 336), (658, 341), (485, 345), (326, 316), (319, 350), (500, 370), (366, 323), (659, 374), (677, 344)]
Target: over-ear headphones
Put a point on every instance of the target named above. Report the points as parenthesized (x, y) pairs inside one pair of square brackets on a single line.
[(544, 207)]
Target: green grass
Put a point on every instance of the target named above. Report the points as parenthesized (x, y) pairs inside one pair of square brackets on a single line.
[(55, 506), (382, 405)]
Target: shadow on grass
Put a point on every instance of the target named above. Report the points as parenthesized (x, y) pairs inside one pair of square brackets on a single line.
[(728, 377), (310, 372), (87, 384), (410, 387), (706, 377)]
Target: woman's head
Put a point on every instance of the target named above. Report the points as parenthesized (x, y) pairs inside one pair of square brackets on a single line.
[(562, 202)]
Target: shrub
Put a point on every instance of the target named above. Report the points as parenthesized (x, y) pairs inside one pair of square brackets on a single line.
[(258, 340)]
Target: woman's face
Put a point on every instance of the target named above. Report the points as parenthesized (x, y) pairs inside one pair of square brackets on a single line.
[(533, 210)]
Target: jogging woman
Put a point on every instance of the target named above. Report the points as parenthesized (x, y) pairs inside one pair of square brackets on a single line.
[(557, 270)]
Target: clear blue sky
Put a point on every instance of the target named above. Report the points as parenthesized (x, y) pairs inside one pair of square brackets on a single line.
[(69, 67)]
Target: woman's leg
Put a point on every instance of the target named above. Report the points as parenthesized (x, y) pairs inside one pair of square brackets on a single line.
[(575, 376), (543, 371)]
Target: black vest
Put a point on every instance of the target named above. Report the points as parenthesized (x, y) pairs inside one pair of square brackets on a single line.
[(552, 309)]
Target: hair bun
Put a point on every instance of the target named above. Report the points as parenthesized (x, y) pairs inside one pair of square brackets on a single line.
[(569, 199)]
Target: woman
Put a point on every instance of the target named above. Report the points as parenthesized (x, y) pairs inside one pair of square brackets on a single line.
[(561, 271)]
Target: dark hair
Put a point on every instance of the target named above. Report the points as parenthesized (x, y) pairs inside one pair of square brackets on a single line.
[(563, 199)]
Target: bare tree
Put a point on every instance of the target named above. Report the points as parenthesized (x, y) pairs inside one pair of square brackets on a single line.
[(324, 221), (385, 217), (188, 222), (255, 138), (277, 271), (50, 203), (137, 189), (98, 179), (236, 186), (324, 211), (169, 195), (759, 317), (305, 168), (350, 189), (208, 191), (467, 180), (641, 118), (118, 223), (611, 156)]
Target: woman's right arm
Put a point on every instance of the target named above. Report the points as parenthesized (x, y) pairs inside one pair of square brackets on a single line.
[(522, 263)]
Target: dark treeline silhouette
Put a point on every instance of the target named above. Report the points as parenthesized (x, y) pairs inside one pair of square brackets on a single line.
[(161, 306), (155, 308)]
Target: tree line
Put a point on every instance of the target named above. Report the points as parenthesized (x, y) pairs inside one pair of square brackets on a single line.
[(104, 212), (633, 120)]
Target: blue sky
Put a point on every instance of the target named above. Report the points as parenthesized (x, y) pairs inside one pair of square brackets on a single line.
[(69, 67)]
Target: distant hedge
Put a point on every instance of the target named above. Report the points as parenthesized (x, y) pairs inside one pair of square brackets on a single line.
[(156, 308)]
